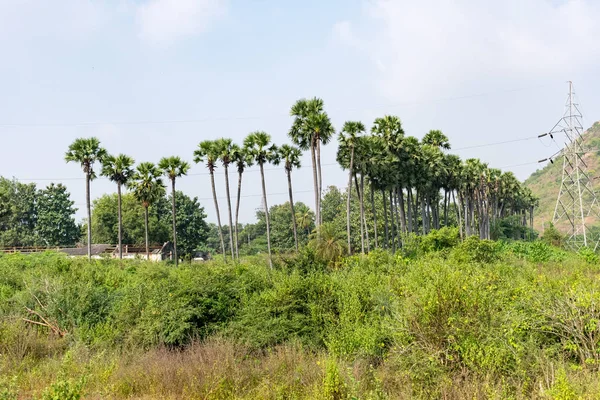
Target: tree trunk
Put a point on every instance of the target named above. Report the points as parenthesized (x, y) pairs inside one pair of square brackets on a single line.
[(385, 217), (458, 217), (264, 190), (362, 230), (409, 209), (146, 232), (289, 179), (174, 224), (89, 213), (226, 168), (320, 177), (398, 218), (349, 196), (362, 211), (423, 212), (374, 214), (120, 228), (316, 185), (237, 214), (214, 191), (445, 207), (401, 206), (393, 235)]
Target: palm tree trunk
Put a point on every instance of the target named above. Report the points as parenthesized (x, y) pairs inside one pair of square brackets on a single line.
[(316, 184), (214, 191), (398, 218), (374, 214), (409, 209), (289, 178), (423, 213), (362, 231), (401, 206), (264, 190), (349, 196), (89, 213), (362, 210), (237, 214), (458, 216), (146, 232), (320, 177), (120, 228), (445, 207), (226, 168), (386, 244), (393, 230), (174, 223)]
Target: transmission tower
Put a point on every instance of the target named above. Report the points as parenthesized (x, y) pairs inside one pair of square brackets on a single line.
[(577, 204)]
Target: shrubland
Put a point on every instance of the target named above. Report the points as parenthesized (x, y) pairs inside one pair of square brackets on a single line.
[(439, 319)]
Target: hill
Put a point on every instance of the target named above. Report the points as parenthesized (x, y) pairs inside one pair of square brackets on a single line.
[(545, 182)]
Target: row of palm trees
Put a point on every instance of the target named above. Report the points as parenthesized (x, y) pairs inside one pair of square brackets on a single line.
[(419, 177), (410, 174)]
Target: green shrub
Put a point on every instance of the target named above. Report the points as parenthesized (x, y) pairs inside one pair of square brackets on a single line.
[(474, 249), (64, 389)]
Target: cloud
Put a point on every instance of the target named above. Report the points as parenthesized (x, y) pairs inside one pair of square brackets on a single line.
[(164, 21), (430, 47)]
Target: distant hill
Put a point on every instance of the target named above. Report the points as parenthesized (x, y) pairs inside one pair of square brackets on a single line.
[(545, 182)]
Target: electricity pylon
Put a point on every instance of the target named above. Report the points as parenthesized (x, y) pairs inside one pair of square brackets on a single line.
[(577, 203)]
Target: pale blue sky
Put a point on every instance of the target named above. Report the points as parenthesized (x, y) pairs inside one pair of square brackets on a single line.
[(481, 72)]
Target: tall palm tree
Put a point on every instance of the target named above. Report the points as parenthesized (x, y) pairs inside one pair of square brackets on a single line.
[(86, 152), (310, 128), (347, 137), (258, 145), (118, 169), (208, 152), (290, 156), (148, 187), (241, 160), (174, 167), (225, 149)]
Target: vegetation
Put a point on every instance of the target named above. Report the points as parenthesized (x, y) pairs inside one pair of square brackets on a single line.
[(440, 319)]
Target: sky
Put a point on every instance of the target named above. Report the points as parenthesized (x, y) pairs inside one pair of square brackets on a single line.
[(153, 78)]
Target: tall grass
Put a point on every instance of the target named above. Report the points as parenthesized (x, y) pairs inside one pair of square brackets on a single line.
[(441, 320)]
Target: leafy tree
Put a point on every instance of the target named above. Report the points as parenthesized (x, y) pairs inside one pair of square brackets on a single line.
[(18, 213), (208, 152), (120, 170), (192, 229), (290, 156), (148, 187), (55, 222), (174, 167), (258, 146), (282, 225), (86, 152)]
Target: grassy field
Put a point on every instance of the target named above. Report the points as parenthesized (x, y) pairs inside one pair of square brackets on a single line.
[(443, 320)]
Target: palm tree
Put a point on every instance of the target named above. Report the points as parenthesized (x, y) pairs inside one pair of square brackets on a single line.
[(208, 151), (290, 156), (86, 152), (118, 169), (256, 145), (225, 149), (347, 137), (327, 245), (241, 160), (148, 187), (174, 167), (312, 126)]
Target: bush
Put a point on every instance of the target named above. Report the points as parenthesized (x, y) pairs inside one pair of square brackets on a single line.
[(474, 249)]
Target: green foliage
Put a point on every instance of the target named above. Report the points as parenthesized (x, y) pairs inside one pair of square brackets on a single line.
[(55, 223), (589, 255), (474, 249), (552, 236), (64, 389)]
